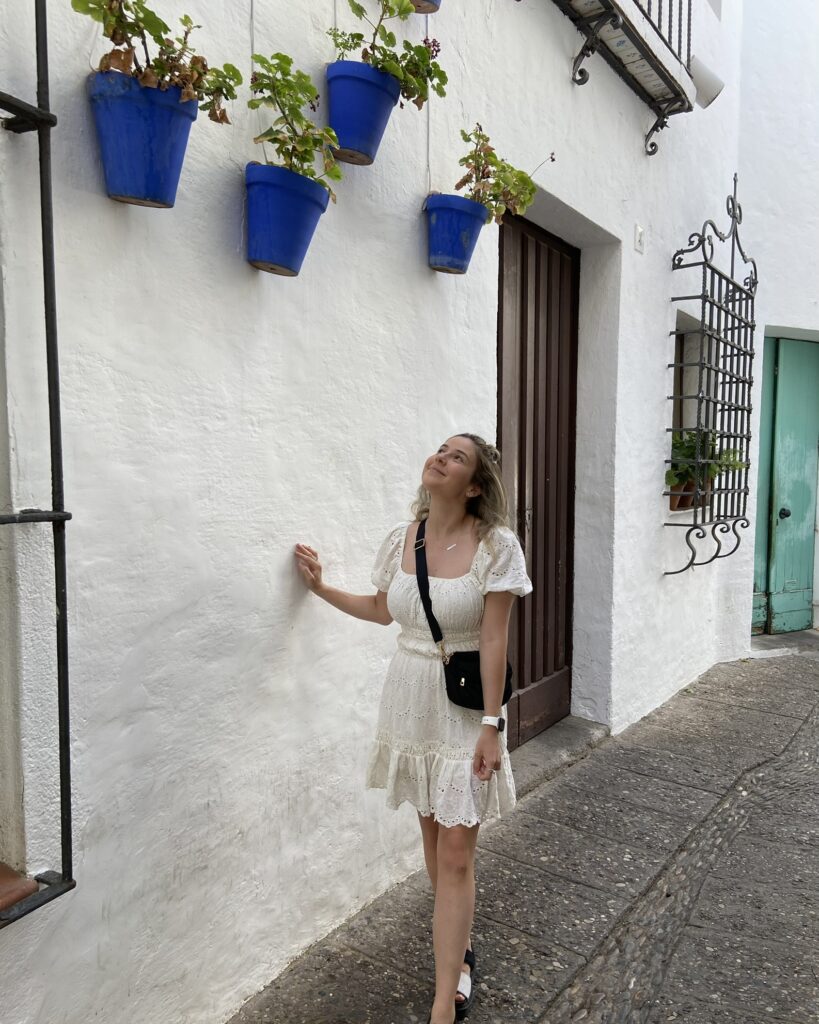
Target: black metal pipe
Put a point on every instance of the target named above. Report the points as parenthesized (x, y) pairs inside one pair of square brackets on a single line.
[(26, 118), (33, 516), (55, 429)]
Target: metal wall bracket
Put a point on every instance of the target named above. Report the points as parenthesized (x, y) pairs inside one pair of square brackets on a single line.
[(26, 117), (664, 111), (592, 27)]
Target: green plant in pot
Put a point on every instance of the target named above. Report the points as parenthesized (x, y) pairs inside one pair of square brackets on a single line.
[(682, 477), (362, 93), (491, 186), (287, 196), (145, 96)]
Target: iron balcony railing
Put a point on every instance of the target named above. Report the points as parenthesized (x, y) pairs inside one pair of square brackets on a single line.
[(672, 19), (647, 43)]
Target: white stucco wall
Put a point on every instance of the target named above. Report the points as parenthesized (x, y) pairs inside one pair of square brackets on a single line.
[(213, 416)]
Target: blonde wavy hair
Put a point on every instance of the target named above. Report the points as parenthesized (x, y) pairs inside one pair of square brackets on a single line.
[(491, 506)]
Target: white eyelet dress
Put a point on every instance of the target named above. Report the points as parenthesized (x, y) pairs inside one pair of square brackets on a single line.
[(424, 743)]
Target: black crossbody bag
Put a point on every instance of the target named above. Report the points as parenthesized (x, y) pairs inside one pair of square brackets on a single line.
[(462, 669)]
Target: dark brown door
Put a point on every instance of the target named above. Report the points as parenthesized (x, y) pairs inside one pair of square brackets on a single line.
[(537, 366)]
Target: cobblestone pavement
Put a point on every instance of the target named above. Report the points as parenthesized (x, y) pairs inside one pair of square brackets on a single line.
[(669, 874)]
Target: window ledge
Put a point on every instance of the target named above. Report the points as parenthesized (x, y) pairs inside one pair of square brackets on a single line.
[(20, 895), (14, 886)]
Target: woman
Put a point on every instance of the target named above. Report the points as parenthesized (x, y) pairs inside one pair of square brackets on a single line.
[(450, 763)]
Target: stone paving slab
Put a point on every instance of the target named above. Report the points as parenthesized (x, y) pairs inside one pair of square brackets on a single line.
[(782, 671), (516, 974), (805, 642), (761, 730), (611, 818), (784, 828), (729, 753), (656, 794), (751, 974), (536, 903), (387, 930), (687, 1011), (743, 685), (795, 800), (664, 765), (549, 753), (578, 856), (769, 862), (336, 985), (782, 911)]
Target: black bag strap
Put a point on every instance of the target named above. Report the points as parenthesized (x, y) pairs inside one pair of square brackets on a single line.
[(422, 576)]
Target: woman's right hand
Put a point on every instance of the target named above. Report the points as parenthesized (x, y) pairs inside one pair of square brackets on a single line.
[(309, 566)]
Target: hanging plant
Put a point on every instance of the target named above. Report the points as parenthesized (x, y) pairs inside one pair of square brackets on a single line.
[(362, 93), (285, 199), (145, 96), (492, 187), (492, 181)]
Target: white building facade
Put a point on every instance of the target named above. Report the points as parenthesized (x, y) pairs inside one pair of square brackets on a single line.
[(214, 415)]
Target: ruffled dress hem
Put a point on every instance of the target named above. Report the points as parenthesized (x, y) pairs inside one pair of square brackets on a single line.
[(439, 786)]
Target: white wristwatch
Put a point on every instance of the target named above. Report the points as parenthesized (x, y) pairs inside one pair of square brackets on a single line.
[(499, 723)]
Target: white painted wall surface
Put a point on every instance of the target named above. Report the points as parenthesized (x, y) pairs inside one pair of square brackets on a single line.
[(214, 415)]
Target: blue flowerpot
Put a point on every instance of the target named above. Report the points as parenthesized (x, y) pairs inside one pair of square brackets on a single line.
[(283, 209), (143, 134), (454, 226), (360, 101), (426, 6)]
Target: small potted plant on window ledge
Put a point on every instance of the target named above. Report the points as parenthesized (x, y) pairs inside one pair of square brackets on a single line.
[(682, 477), (362, 94), (493, 187), (286, 200), (144, 105)]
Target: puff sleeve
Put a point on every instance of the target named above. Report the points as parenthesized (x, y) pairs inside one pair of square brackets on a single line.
[(388, 557), (502, 565)]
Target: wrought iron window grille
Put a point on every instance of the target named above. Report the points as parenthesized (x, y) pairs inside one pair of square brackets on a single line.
[(28, 118), (712, 393), (620, 42)]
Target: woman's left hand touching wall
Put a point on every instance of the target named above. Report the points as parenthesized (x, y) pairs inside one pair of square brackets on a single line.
[(309, 567)]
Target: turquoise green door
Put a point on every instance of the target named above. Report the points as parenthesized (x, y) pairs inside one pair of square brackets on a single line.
[(793, 485)]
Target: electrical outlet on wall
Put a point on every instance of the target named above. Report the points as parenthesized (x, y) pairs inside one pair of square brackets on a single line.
[(639, 239)]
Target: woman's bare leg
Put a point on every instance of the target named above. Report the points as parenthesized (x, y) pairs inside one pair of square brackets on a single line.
[(454, 910), (429, 835)]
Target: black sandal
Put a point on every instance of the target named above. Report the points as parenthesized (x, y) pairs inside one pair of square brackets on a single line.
[(466, 987)]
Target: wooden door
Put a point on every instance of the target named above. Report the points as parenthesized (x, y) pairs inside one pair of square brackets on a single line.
[(537, 375), (792, 521)]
